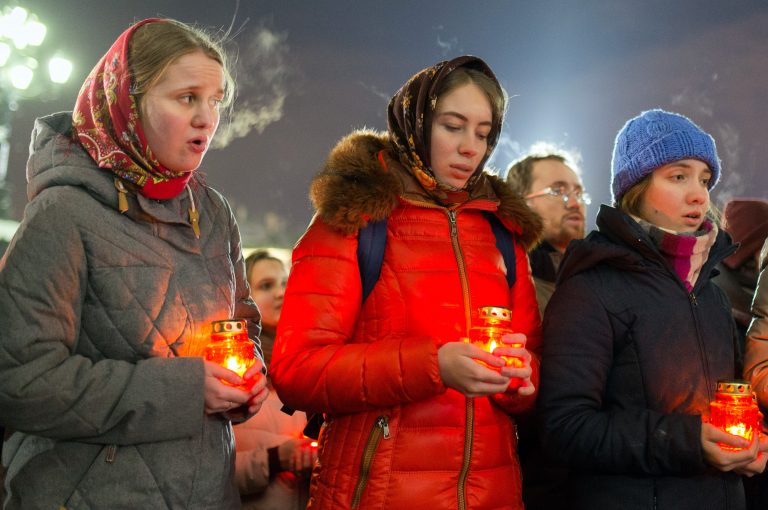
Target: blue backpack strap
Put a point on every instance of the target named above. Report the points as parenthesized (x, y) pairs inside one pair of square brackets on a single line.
[(505, 243), (372, 239)]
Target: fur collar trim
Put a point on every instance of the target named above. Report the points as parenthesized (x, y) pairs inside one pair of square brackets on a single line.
[(353, 188)]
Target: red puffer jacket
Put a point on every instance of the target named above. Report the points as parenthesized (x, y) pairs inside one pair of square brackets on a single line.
[(395, 436)]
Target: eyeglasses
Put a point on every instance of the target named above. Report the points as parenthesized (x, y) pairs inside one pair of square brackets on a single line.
[(561, 192)]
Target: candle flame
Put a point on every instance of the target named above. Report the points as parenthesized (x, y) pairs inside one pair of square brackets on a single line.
[(236, 365), (738, 429)]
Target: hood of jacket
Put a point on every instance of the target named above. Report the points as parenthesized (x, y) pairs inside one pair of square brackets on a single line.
[(620, 242), (363, 180), (56, 159)]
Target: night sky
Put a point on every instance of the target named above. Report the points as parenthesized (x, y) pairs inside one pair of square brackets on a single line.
[(311, 71)]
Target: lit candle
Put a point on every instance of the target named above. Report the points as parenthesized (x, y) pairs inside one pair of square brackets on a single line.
[(492, 323), (230, 346), (735, 411), (237, 365)]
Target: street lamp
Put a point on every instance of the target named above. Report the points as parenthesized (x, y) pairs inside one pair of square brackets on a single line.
[(21, 76)]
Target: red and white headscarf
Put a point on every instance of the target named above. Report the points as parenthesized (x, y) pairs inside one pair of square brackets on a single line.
[(106, 123)]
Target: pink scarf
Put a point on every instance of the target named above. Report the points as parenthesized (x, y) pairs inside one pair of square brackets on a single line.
[(686, 252)]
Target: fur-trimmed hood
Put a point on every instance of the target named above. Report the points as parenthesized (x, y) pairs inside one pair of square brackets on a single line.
[(363, 180)]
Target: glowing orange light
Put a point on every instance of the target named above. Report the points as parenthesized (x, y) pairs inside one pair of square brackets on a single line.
[(492, 323), (237, 365), (735, 411), (739, 430), (313, 444), (230, 346)]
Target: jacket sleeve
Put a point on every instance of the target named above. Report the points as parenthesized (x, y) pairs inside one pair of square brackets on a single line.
[(315, 366), (47, 390), (526, 320), (756, 356), (577, 428)]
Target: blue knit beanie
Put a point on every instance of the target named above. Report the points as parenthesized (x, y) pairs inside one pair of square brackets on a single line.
[(653, 139)]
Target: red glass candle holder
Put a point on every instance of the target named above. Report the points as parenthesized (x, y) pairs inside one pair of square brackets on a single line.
[(735, 411), (492, 323), (230, 346)]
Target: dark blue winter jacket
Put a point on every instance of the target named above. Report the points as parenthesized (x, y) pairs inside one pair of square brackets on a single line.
[(631, 361)]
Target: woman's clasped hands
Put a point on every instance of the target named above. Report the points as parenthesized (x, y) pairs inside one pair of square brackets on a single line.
[(460, 367), (748, 461), (225, 391)]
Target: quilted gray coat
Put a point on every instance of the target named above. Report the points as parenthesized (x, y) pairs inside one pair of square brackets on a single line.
[(102, 316)]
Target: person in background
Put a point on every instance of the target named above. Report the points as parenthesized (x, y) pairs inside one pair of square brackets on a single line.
[(274, 460), (413, 419), (636, 336), (746, 220), (123, 259), (756, 366), (547, 178)]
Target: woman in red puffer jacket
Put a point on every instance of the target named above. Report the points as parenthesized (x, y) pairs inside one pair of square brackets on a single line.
[(412, 420)]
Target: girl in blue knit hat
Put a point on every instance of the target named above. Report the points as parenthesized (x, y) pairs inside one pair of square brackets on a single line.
[(636, 336)]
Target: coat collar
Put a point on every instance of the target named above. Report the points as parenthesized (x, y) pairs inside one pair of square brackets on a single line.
[(363, 181)]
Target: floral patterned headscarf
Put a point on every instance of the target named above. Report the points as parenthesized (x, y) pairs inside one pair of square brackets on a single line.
[(106, 123), (410, 125)]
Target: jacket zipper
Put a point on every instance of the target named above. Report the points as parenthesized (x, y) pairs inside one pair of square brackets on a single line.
[(462, 270), (708, 265), (702, 347), (470, 407), (470, 411), (380, 429)]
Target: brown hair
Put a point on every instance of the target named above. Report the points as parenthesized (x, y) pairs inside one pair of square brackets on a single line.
[(520, 172), (631, 200), (491, 88), (258, 256), (155, 46)]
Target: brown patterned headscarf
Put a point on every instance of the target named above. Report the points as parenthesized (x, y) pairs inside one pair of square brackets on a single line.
[(410, 125), (106, 123)]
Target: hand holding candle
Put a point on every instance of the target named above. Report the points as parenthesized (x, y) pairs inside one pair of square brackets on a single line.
[(298, 456), (518, 361), (233, 372), (742, 457), (493, 333), (230, 346), (735, 411)]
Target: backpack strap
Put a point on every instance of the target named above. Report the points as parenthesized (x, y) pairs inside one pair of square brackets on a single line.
[(372, 239), (505, 243)]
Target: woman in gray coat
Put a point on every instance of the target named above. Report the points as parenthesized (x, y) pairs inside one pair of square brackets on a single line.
[(107, 292)]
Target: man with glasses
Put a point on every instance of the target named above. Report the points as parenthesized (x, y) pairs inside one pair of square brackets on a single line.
[(552, 189)]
